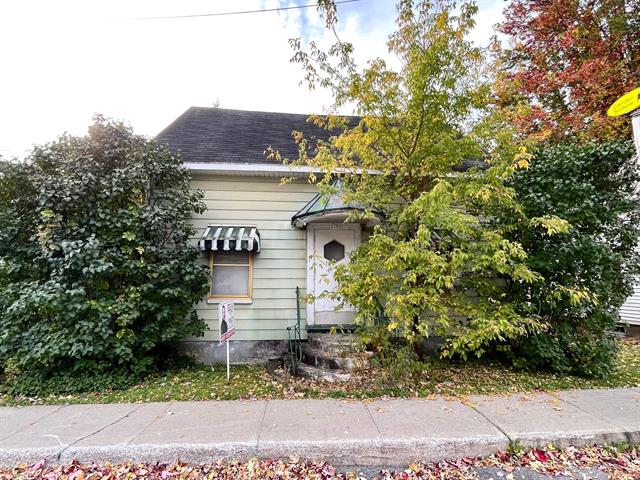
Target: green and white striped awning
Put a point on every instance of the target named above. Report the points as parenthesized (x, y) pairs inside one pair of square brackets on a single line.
[(230, 237)]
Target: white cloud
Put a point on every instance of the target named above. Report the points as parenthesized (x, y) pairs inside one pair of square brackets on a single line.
[(63, 61), (489, 14)]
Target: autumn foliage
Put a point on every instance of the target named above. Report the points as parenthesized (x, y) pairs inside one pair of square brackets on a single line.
[(566, 62), (616, 462), (435, 266)]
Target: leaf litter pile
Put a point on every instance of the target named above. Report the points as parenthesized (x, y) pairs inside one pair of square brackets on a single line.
[(596, 462)]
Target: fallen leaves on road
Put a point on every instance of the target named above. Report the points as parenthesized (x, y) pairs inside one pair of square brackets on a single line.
[(618, 463)]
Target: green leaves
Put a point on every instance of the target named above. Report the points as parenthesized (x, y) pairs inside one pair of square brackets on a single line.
[(95, 233), (589, 259), (565, 63), (551, 223), (440, 263)]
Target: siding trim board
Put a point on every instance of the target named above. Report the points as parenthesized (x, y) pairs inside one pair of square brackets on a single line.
[(264, 170)]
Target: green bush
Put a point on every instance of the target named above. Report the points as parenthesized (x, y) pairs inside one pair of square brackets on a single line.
[(399, 360), (592, 186), (84, 376), (97, 279)]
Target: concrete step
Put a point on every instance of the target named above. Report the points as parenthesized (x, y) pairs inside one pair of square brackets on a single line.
[(321, 359), (320, 374), (334, 337), (333, 343), (334, 350)]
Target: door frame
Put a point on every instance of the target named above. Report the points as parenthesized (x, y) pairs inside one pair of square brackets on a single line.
[(311, 240)]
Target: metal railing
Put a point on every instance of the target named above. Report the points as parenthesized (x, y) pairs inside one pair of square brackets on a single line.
[(294, 355)]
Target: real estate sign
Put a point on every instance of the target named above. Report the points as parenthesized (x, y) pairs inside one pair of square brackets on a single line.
[(625, 104), (629, 103), (226, 321)]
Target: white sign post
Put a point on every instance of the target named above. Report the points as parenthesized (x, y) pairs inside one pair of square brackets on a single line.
[(226, 327)]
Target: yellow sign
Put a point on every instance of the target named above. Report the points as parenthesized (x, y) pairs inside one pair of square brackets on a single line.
[(625, 104)]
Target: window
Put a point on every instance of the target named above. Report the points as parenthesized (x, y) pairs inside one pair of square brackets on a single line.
[(334, 250), (231, 275)]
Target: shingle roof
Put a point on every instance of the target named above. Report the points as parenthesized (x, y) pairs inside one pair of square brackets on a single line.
[(237, 136), (207, 134)]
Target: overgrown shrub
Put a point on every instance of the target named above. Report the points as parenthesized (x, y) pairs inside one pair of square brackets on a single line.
[(97, 279), (594, 187), (399, 360), (420, 123)]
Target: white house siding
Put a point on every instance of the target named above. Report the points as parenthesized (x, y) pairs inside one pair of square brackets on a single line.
[(278, 269), (630, 311)]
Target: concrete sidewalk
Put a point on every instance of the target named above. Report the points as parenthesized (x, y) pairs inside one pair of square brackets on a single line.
[(381, 433)]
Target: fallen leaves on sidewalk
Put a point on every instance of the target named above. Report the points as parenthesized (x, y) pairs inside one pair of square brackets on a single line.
[(619, 463)]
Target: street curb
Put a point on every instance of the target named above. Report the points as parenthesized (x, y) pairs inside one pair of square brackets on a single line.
[(356, 453), (365, 453)]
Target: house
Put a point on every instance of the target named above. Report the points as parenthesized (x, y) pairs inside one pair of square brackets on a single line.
[(630, 313), (262, 239)]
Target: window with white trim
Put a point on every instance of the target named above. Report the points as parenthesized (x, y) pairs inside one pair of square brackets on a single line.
[(231, 275)]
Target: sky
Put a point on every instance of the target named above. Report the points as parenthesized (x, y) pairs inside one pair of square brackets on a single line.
[(64, 61)]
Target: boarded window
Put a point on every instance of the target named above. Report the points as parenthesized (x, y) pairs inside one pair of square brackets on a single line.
[(231, 274)]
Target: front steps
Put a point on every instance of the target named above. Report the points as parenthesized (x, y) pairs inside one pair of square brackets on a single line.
[(317, 374), (330, 357)]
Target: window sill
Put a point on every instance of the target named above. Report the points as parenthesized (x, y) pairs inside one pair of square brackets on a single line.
[(237, 301)]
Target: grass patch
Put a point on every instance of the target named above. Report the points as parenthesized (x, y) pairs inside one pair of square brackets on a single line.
[(197, 382), (438, 378)]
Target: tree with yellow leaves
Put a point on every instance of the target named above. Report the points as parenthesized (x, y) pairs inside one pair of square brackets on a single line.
[(424, 151)]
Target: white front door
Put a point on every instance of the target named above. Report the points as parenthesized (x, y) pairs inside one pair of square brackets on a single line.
[(331, 245)]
